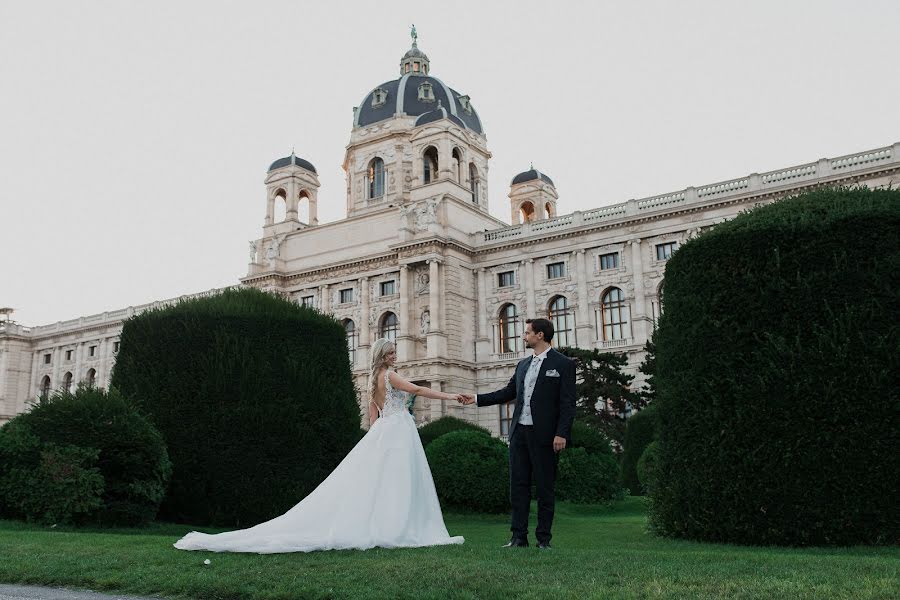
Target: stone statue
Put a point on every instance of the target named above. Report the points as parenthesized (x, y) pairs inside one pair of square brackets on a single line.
[(426, 214), (413, 34), (273, 249), (254, 249), (422, 280), (426, 323)]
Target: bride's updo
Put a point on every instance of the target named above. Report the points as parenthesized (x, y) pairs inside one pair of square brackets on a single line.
[(381, 348)]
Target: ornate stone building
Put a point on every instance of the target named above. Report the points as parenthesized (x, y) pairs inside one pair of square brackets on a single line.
[(420, 260)]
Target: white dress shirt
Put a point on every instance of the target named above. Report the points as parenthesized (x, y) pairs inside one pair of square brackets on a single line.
[(531, 376)]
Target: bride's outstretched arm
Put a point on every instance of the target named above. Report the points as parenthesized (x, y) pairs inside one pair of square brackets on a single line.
[(401, 384)]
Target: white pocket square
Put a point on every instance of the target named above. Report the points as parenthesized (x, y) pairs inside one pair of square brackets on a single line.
[(551, 373)]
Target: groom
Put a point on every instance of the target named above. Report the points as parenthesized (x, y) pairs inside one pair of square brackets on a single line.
[(543, 387)]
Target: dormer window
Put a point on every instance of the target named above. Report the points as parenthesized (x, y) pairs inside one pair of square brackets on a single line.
[(426, 93), (464, 102), (379, 97)]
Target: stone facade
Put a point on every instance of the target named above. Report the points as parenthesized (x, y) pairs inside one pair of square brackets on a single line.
[(419, 258)]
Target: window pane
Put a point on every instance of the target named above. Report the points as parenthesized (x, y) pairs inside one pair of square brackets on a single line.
[(555, 270)]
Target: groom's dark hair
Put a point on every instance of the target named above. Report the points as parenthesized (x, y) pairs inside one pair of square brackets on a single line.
[(542, 326)]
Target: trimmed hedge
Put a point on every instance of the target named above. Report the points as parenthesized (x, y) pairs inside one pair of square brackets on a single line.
[(83, 457), (777, 361), (253, 395), (471, 471), (640, 430), (587, 478), (430, 432), (646, 467)]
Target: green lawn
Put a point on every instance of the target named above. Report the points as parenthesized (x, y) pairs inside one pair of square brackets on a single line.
[(600, 553)]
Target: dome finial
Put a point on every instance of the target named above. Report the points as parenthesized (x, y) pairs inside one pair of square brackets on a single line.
[(414, 62), (531, 167), (414, 35)]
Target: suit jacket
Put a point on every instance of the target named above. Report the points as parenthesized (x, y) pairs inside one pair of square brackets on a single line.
[(552, 402)]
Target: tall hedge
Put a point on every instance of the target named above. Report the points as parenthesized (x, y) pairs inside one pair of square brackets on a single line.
[(253, 395), (777, 362), (470, 470), (640, 430)]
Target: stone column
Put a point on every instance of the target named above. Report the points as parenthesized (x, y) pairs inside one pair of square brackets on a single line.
[(437, 340), (364, 337), (584, 326), (531, 311), (270, 210), (405, 348), (324, 299), (34, 390), (639, 312), (483, 339), (76, 374)]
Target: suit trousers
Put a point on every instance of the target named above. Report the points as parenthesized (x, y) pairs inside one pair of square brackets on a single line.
[(527, 459)]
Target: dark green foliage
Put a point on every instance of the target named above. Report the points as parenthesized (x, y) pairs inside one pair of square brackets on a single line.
[(646, 467), (86, 457), (470, 470), (600, 379), (439, 427), (253, 395), (648, 368), (639, 432), (592, 440), (587, 478), (777, 361)]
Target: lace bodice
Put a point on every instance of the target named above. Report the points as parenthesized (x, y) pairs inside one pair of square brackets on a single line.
[(394, 400)]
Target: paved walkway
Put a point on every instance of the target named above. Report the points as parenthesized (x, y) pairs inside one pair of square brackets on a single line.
[(33, 592)]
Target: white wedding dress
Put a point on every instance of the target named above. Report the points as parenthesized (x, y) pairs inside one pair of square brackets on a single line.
[(381, 494)]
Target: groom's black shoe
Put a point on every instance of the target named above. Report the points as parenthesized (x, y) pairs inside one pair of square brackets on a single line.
[(545, 546), (516, 543)]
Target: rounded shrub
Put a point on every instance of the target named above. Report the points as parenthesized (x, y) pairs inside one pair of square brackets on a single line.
[(587, 478), (471, 471), (93, 452), (430, 432), (253, 395), (640, 430), (646, 467), (777, 357), (592, 440)]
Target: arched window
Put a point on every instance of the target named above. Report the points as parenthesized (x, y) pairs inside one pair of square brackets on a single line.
[(473, 181), (67, 382), (280, 206), (457, 166), (509, 328), (527, 212), (352, 340), (375, 177), (389, 327), (91, 378), (429, 164), (45, 387), (561, 316), (548, 208), (614, 315), (303, 206), (657, 305)]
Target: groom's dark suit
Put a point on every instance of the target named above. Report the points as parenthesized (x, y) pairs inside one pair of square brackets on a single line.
[(531, 447)]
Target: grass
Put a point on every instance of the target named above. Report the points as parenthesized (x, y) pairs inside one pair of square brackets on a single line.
[(601, 552)]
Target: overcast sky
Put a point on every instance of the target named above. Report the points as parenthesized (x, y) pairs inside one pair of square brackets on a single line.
[(135, 136)]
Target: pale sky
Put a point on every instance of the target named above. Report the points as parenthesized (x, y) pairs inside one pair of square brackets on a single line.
[(135, 136)]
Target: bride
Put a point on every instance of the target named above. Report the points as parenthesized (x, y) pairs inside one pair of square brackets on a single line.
[(381, 494)]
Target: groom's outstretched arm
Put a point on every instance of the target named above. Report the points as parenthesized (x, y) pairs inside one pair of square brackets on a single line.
[(501, 396)]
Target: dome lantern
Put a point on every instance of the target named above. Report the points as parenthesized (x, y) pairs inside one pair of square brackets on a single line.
[(414, 62)]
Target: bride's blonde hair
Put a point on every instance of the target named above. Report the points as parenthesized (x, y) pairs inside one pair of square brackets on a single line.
[(380, 349)]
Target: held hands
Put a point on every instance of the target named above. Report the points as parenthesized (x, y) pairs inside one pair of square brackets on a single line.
[(465, 398)]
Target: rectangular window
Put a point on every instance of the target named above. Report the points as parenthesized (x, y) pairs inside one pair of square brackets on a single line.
[(556, 270), (506, 413), (47, 359), (346, 295), (506, 278), (388, 288), (115, 347), (308, 301), (609, 261), (68, 355), (92, 351), (664, 251)]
